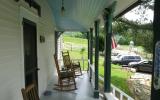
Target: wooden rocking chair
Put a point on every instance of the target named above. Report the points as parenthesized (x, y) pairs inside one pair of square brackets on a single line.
[(30, 93), (66, 78), (69, 64)]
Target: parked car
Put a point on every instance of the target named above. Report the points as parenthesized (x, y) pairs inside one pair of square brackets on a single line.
[(131, 64), (145, 66), (125, 59)]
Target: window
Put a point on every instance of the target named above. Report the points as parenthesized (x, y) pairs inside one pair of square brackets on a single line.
[(138, 57), (131, 57), (125, 58)]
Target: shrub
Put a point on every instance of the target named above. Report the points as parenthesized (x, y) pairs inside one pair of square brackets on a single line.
[(101, 43)]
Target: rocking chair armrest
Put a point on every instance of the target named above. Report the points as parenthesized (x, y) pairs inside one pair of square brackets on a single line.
[(76, 63), (65, 74), (68, 69)]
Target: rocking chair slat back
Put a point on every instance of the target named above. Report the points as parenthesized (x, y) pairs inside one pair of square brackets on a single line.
[(30, 93), (66, 59)]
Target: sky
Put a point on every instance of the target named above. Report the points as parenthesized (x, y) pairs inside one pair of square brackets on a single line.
[(131, 15)]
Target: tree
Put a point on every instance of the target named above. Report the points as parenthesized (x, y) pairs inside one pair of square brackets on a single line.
[(142, 9), (138, 31), (101, 43), (141, 34), (133, 30), (101, 39)]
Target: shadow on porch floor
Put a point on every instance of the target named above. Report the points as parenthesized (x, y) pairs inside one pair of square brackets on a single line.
[(84, 91)]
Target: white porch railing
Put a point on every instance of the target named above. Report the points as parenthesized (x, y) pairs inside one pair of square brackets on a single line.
[(92, 75), (123, 96), (115, 90)]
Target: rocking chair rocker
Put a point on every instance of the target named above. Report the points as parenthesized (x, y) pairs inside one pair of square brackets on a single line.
[(66, 78)]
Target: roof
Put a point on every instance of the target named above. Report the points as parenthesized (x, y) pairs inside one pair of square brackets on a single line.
[(79, 15)]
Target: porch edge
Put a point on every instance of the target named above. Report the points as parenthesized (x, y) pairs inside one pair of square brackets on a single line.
[(96, 93), (110, 96)]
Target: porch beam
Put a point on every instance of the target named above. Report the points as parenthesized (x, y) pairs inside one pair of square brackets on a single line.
[(155, 87), (108, 17), (138, 2), (96, 90), (35, 5)]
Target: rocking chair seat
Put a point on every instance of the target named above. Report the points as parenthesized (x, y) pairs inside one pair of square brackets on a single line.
[(66, 74), (76, 65)]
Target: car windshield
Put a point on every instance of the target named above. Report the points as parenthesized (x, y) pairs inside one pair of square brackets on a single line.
[(118, 56), (150, 62), (137, 57), (130, 57), (141, 61)]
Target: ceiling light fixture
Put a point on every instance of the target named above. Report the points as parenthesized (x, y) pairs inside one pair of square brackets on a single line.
[(62, 8)]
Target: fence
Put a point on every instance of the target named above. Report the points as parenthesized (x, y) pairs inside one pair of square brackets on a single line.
[(117, 93), (72, 46)]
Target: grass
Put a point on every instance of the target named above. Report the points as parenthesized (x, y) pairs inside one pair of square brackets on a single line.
[(77, 41), (118, 76)]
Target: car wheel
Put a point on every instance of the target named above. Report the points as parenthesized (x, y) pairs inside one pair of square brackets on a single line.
[(137, 69)]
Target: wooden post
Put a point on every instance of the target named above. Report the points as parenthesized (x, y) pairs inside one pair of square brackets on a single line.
[(108, 16), (96, 90), (91, 45), (88, 35), (91, 51), (155, 90)]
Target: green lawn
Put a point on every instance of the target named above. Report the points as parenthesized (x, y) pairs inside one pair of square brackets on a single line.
[(118, 76), (77, 41)]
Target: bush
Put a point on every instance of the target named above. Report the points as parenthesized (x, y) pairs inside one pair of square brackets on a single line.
[(123, 41), (101, 43), (80, 35), (77, 35), (148, 42)]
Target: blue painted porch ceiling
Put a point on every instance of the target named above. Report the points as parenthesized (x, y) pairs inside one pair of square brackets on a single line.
[(79, 15)]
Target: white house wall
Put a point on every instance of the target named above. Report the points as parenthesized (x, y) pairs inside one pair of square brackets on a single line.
[(11, 47)]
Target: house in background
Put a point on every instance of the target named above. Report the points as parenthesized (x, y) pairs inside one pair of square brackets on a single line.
[(29, 30)]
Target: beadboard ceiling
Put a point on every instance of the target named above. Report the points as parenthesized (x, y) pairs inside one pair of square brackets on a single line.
[(79, 15)]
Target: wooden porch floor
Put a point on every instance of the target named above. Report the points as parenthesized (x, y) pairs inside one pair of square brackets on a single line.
[(84, 91)]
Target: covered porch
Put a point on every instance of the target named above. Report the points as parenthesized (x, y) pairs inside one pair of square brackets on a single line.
[(84, 91), (47, 20), (87, 17)]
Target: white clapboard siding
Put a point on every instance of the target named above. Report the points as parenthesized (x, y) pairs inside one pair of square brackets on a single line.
[(11, 48)]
